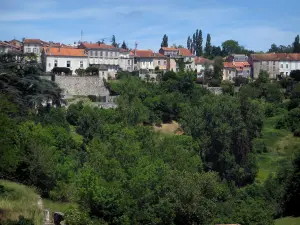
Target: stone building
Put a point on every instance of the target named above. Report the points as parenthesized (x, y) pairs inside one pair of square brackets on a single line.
[(126, 60), (236, 65)]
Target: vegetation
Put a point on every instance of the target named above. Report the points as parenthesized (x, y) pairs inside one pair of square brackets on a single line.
[(109, 166)]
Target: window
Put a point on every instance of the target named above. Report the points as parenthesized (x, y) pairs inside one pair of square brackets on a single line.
[(165, 62), (55, 63), (261, 63), (128, 62), (28, 49), (112, 54), (81, 64), (100, 53), (274, 63), (281, 65), (96, 53), (158, 62), (109, 54), (273, 68), (35, 50), (247, 71), (49, 65), (287, 66), (68, 64)]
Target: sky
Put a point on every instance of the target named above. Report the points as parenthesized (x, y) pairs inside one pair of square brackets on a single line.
[(255, 24)]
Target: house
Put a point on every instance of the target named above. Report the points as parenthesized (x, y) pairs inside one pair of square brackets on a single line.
[(126, 60), (33, 46), (160, 61), (6, 47), (236, 65), (288, 63), (188, 58), (143, 60), (268, 62), (201, 64), (174, 54), (64, 57), (104, 56)]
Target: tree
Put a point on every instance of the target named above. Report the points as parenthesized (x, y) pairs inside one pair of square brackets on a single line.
[(218, 68), (124, 46), (231, 47), (208, 47), (296, 45), (199, 43), (273, 48), (295, 74), (216, 51), (113, 41), (189, 43), (164, 42)]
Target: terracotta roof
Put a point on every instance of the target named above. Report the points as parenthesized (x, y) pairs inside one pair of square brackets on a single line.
[(276, 57), (32, 41), (228, 65), (241, 64), (169, 49), (124, 50), (202, 61), (142, 53), (97, 46), (158, 55), (73, 52), (185, 52)]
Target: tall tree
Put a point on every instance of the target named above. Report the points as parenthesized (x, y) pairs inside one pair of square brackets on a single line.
[(124, 46), (164, 42), (216, 51), (188, 43), (273, 48), (218, 68), (296, 45), (193, 45), (208, 47), (199, 44), (113, 41)]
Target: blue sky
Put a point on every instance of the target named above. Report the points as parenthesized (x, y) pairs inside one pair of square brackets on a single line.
[(256, 24)]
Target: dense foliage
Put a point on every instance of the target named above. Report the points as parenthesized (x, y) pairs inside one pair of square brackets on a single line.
[(120, 171)]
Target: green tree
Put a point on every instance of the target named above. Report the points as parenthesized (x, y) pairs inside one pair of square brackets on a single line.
[(124, 46), (164, 42), (273, 48), (295, 74), (208, 47), (113, 41), (231, 47), (218, 68), (189, 43), (199, 42), (296, 45)]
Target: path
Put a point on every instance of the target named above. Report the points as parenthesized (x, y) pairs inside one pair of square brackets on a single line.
[(46, 217)]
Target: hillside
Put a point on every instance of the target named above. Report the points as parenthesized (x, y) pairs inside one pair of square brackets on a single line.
[(19, 200)]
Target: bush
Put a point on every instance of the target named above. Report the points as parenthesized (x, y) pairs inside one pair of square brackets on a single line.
[(227, 87), (80, 72), (238, 81), (295, 74), (297, 133), (59, 70), (214, 83), (92, 70), (259, 146)]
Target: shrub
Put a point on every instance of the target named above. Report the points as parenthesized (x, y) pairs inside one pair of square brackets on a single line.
[(295, 74), (59, 70), (91, 70), (80, 72), (214, 83), (227, 87), (259, 146), (297, 133), (239, 80)]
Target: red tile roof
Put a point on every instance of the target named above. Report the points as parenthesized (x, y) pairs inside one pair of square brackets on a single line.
[(32, 41), (202, 61), (97, 46), (241, 64), (185, 52), (228, 65), (169, 49), (276, 57), (142, 53), (158, 55), (72, 52)]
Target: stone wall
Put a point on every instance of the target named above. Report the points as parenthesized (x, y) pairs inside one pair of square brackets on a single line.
[(83, 86)]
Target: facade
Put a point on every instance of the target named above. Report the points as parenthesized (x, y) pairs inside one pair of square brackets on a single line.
[(236, 65), (268, 62), (143, 60), (126, 60), (289, 63), (64, 57), (6, 47), (187, 57), (33, 46), (201, 63), (106, 57), (160, 61)]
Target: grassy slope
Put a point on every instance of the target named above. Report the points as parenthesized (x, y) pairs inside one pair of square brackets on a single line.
[(281, 144), (19, 200), (288, 221)]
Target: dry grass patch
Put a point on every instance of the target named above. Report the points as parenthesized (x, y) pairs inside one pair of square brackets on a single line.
[(169, 128)]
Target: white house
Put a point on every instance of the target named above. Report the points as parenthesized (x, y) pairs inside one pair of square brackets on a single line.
[(64, 57), (288, 63), (201, 63), (106, 57), (143, 59), (125, 60), (33, 46)]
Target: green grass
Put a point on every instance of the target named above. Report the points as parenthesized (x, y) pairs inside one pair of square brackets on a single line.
[(19, 200), (57, 206), (281, 144), (288, 221)]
